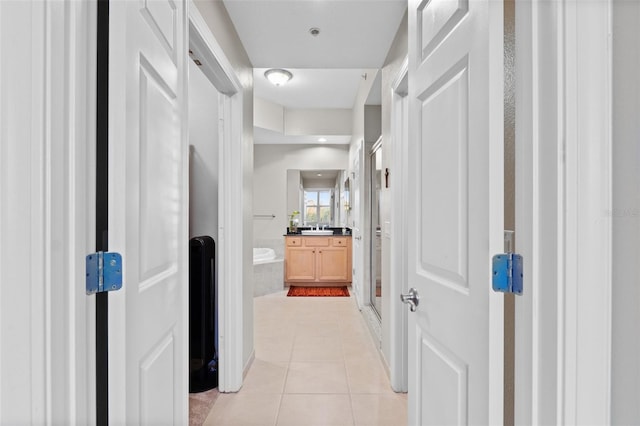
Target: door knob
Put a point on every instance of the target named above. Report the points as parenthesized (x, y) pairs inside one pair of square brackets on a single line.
[(412, 299)]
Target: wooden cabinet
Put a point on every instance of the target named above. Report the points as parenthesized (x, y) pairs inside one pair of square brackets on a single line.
[(318, 259)]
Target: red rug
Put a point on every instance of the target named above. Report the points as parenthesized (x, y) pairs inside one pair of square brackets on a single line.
[(318, 291)]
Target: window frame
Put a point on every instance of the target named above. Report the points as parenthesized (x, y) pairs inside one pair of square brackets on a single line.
[(318, 206)]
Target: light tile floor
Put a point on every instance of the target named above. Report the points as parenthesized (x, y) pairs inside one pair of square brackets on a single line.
[(315, 364)]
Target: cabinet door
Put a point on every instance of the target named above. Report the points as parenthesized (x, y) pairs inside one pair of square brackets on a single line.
[(301, 264), (333, 264)]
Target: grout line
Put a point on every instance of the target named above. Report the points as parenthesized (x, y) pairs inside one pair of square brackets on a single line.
[(332, 309)]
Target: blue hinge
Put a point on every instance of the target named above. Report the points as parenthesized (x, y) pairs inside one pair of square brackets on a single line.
[(104, 272), (507, 273), (507, 269)]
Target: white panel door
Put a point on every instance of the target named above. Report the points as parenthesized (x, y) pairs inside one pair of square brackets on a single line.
[(148, 205), (455, 215)]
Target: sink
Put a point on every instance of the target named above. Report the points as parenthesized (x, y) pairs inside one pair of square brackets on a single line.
[(317, 232)]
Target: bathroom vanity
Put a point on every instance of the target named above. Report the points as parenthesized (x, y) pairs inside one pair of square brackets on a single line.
[(317, 259)]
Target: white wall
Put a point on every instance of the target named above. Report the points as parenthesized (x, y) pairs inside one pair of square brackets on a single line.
[(372, 122), (301, 122), (626, 214), (268, 115), (318, 121), (294, 188), (203, 155), (270, 180)]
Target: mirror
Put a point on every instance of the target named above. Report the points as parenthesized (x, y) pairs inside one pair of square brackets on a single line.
[(321, 196)]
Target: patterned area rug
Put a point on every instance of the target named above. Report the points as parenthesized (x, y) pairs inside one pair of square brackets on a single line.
[(318, 291)]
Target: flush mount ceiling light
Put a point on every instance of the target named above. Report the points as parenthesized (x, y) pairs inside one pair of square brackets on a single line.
[(322, 140), (277, 76)]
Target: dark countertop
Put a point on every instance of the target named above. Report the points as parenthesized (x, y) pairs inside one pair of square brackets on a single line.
[(336, 231)]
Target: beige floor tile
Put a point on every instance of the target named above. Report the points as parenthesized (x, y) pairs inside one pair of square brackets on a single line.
[(317, 348), (274, 321), (367, 375), (315, 410), (315, 364), (316, 377), (265, 377), (357, 347), (244, 409), (353, 325), (309, 327), (318, 320), (273, 350), (379, 410)]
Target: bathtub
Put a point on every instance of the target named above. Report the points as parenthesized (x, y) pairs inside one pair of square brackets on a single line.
[(263, 255), (268, 272)]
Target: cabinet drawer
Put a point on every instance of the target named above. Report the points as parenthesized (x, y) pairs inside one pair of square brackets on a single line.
[(316, 242), (294, 241), (340, 242)]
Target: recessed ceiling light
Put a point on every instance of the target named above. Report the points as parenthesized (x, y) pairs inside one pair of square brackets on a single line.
[(314, 31), (277, 76), (322, 139), (319, 174)]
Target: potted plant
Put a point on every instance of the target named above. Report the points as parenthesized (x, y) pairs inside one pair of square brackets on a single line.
[(293, 222)]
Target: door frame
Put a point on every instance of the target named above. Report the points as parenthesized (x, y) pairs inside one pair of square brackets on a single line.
[(370, 294), (357, 167), (398, 315), (564, 188), (220, 72), (49, 122)]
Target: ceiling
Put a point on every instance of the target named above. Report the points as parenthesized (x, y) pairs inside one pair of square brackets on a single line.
[(355, 36), (311, 88)]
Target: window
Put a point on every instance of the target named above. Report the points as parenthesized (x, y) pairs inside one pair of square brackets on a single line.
[(317, 207)]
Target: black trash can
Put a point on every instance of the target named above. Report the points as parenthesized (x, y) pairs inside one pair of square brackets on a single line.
[(203, 359)]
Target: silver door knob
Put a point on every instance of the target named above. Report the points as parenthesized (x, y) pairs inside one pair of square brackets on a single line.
[(412, 298)]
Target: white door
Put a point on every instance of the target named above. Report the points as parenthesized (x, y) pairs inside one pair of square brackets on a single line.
[(148, 205), (455, 214)]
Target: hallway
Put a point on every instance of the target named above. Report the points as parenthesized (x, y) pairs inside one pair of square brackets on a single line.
[(315, 364)]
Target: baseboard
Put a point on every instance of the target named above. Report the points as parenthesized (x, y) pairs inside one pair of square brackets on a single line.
[(248, 365)]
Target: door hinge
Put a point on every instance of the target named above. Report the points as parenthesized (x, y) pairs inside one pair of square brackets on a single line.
[(104, 272), (507, 269)]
